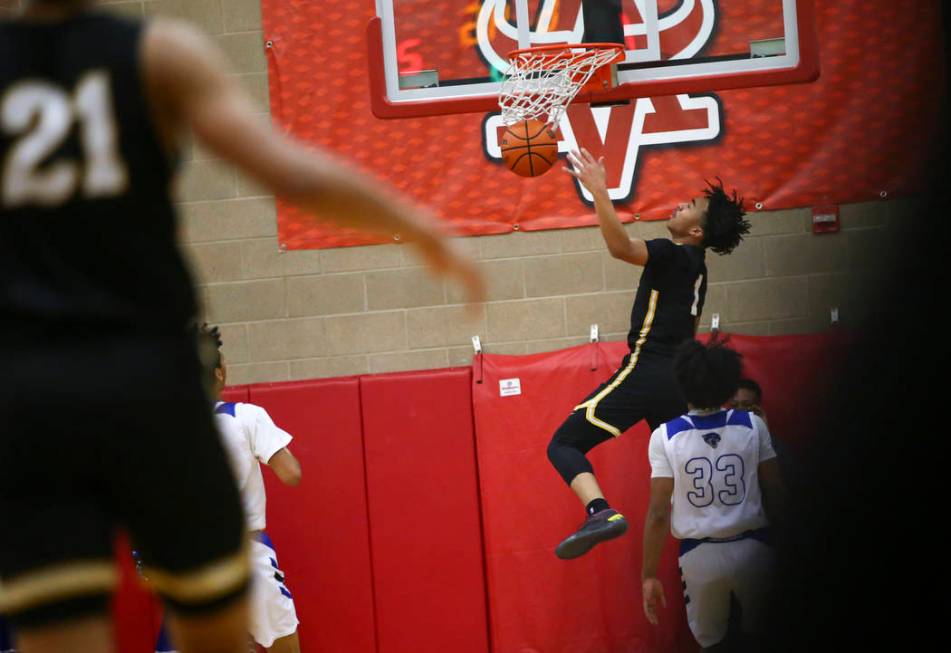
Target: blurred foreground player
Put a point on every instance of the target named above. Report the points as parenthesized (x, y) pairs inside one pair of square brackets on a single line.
[(666, 312), (6, 638), (251, 438), (101, 379), (712, 471)]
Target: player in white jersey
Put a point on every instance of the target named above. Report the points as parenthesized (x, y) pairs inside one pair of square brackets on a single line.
[(712, 471), (250, 438)]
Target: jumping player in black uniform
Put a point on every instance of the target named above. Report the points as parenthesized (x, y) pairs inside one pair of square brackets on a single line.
[(103, 419), (666, 312)]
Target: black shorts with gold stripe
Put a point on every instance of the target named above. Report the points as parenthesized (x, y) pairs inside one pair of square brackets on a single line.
[(102, 431), (643, 387)]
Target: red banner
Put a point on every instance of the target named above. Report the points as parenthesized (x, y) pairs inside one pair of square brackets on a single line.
[(863, 131)]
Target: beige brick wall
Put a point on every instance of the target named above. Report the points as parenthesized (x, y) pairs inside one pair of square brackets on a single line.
[(305, 314)]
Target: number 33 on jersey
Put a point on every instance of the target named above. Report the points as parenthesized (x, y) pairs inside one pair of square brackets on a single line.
[(713, 459)]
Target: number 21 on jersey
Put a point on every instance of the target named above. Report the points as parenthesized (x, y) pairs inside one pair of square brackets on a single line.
[(40, 117)]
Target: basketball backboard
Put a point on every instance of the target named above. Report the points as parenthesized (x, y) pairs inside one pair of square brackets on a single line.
[(437, 57)]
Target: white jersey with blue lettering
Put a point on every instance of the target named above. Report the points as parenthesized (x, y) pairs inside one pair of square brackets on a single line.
[(714, 460), (250, 438)]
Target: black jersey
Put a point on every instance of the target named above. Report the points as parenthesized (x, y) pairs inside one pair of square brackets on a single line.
[(669, 297), (87, 229)]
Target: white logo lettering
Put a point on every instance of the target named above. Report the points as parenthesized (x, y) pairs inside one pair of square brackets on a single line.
[(617, 132), (643, 123)]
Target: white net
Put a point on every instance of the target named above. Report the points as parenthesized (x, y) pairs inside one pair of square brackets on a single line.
[(540, 83)]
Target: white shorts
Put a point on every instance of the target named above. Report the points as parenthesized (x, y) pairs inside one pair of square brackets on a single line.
[(272, 608), (711, 571)]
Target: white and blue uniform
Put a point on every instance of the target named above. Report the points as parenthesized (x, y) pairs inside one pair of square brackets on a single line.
[(250, 438), (717, 512)]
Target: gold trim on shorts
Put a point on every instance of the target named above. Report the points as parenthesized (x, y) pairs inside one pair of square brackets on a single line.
[(56, 583), (591, 404), (205, 583)]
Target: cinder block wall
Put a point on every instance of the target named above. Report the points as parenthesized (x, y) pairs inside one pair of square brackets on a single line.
[(306, 314)]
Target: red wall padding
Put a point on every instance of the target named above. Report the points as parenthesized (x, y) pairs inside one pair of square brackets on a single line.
[(540, 603), (593, 604), (136, 612), (320, 527), (383, 544), (797, 374), (424, 512), (236, 393)]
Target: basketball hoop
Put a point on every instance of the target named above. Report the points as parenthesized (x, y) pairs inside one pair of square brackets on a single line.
[(543, 80)]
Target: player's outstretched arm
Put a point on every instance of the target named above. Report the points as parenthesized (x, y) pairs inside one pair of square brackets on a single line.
[(591, 174), (656, 527), (188, 84), (286, 467)]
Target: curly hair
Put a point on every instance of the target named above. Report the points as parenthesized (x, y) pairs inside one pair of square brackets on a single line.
[(707, 374), (724, 225)]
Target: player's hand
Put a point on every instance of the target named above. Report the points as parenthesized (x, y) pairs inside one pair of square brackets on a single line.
[(587, 170), (653, 592), (445, 260)]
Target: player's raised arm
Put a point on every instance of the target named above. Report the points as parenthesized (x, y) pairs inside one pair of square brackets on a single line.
[(656, 527), (187, 79), (591, 174)]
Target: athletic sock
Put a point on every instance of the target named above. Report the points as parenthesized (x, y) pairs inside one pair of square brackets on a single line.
[(596, 505)]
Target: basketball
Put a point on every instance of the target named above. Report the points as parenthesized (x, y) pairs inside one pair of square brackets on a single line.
[(529, 148)]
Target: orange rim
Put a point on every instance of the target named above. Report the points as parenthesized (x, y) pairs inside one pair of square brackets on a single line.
[(539, 49)]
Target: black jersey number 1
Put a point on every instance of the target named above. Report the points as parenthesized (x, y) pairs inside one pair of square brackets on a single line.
[(40, 116)]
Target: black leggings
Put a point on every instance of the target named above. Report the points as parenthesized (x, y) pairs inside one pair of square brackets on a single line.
[(643, 387)]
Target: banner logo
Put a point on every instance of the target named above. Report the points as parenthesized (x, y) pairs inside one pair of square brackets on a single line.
[(618, 132), (680, 33)]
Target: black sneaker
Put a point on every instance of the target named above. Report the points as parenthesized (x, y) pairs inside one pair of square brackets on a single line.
[(602, 525)]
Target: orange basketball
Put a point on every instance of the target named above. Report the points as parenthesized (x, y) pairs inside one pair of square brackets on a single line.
[(529, 148)]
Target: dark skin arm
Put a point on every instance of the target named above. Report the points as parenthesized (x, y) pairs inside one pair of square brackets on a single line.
[(591, 174), (286, 467), (656, 528), (190, 90)]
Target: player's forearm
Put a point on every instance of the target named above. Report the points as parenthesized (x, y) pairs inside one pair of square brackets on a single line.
[(656, 528), (613, 232), (335, 191), (286, 467), (223, 120)]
